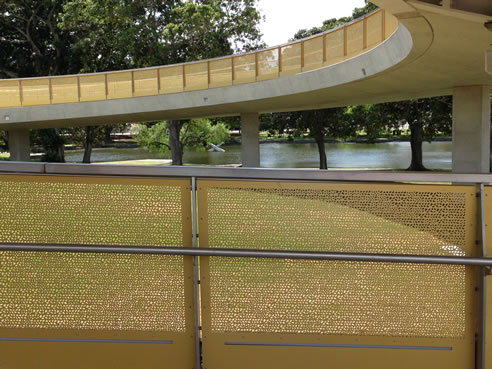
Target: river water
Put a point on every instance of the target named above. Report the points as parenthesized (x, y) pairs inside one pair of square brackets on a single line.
[(390, 155)]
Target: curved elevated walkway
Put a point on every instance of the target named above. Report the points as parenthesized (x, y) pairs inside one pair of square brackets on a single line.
[(289, 77)]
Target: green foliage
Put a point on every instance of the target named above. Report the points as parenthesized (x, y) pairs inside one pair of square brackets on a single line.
[(32, 44), (3, 141), (53, 37), (116, 34), (51, 141), (334, 22), (77, 135), (195, 134)]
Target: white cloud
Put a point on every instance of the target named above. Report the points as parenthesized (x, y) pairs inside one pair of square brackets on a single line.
[(284, 18)]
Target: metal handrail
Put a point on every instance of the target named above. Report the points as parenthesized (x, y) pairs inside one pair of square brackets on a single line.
[(252, 253)]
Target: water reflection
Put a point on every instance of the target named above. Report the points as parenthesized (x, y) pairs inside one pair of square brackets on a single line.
[(394, 155)]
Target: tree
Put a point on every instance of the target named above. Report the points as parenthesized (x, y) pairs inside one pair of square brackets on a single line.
[(52, 142), (425, 118), (319, 123), (52, 37), (32, 44), (195, 134), (326, 122), (87, 137), (156, 32), (334, 22)]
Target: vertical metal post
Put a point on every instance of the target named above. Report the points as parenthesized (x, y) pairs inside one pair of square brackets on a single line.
[(158, 81), (50, 90), (21, 95), (279, 61), (232, 70), (484, 279), (133, 82), (302, 55), (345, 41), (106, 88), (256, 66), (78, 87), (364, 46), (196, 291), (324, 48), (383, 20)]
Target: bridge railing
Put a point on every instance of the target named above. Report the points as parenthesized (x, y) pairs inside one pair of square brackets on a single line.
[(295, 267), (300, 56)]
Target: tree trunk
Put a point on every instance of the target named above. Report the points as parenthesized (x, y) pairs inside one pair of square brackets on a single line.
[(107, 135), (53, 144), (319, 137), (174, 127), (89, 141), (60, 147), (416, 140)]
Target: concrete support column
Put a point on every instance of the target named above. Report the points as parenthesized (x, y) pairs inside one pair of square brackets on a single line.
[(19, 145), (250, 140), (471, 129), (488, 61)]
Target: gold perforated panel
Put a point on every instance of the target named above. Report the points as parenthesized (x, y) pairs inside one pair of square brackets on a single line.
[(35, 92), (90, 211), (171, 79), (313, 53), (337, 298), (374, 29), (119, 85), (196, 76), (92, 87), (9, 94), (244, 69), (391, 24), (355, 39), (291, 59), (334, 47), (64, 90), (267, 64), (145, 82), (220, 72), (89, 291)]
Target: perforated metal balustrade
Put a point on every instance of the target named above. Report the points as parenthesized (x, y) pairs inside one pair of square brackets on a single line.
[(260, 302), (124, 299)]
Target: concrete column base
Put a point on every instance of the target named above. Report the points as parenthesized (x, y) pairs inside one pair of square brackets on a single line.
[(250, 140), (19, 145), (471, 129)]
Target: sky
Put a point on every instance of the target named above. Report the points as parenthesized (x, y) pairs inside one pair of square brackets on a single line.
[(285, 17)]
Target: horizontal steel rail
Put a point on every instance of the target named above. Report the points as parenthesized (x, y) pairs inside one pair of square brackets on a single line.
[(240, 173), (247, 253)]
